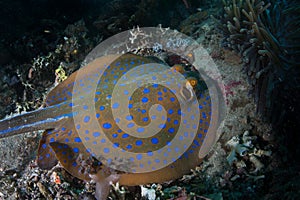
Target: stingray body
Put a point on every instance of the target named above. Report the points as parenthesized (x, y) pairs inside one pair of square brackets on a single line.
[(73, 138)]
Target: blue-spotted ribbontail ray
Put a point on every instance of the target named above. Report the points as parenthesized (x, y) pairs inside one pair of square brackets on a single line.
[(124, 116)]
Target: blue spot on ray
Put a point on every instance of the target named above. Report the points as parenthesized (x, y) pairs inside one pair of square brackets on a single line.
[(159, 108), (86, 119), (171, 130), (139, 156), (170, 111), (145, 119), (154, 141), (146, 90), (116, 145), (138, 143), (96, 134), (107, 125), (130, 125), (150, 153), (115, 105), (106, 150), (101, 108), (77, 139), (76, 150), (129, 117), (144, 99), (140, 129)]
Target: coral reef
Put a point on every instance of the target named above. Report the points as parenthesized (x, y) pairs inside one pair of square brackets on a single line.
[(255, 175), (26, 83), (264, 35)]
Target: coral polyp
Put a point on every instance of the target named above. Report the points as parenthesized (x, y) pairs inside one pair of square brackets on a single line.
[(264, 34)]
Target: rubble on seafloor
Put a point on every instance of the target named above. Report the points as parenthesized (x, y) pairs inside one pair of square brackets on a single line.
[(238, 162)]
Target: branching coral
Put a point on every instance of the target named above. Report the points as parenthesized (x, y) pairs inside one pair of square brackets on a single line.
[(243, 146), (264, 34)]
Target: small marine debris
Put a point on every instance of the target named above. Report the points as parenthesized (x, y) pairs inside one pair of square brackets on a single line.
[(60, 74), (258, 165), (195, 172), (55, 178), (44, 191), (148, 193)]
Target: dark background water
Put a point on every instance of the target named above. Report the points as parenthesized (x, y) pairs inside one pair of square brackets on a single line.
[(19, 17), (20, 20)]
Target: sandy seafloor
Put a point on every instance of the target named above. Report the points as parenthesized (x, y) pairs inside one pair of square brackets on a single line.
[(263, 172)]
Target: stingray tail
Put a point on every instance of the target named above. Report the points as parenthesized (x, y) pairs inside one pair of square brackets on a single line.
[(41, 119)]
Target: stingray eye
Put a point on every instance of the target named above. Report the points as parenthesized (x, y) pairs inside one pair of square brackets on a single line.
[(179, 68), (192, 81)]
